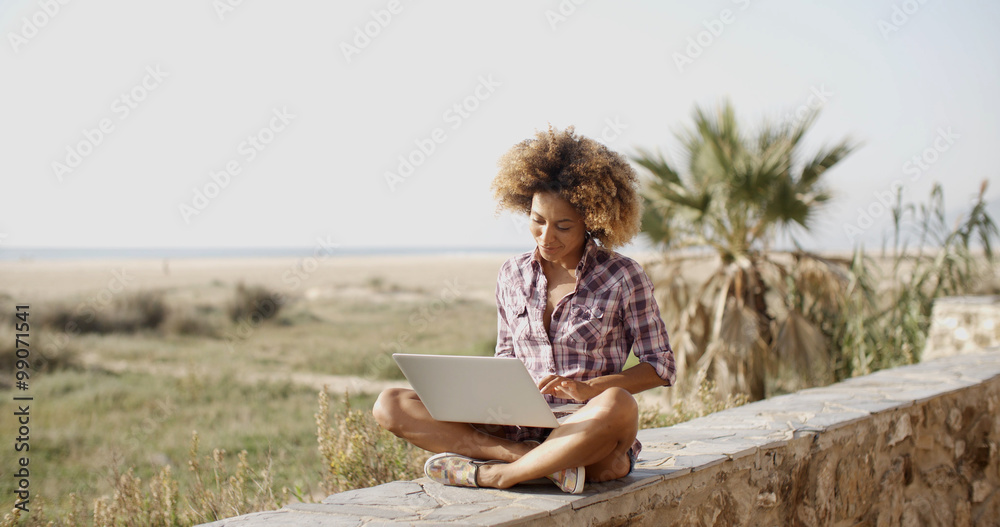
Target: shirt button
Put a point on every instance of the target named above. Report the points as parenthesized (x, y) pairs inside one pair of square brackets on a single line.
[(552, 369)]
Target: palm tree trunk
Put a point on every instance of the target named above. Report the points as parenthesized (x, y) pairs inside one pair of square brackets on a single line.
[(757, 369)]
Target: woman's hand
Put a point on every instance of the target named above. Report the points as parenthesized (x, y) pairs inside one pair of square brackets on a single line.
[(567, 388)]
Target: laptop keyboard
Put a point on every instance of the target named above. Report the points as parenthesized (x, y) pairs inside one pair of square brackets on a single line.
[(562, 411)]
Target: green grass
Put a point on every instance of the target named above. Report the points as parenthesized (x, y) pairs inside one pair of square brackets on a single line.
[(343, 338), (90, 425), (85, 425)]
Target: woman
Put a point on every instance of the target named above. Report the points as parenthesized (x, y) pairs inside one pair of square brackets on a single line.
[(570, 310)]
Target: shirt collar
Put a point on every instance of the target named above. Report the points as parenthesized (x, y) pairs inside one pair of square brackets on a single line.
[(590, 250)]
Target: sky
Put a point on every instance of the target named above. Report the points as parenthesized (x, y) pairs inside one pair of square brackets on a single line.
[(245, 123)]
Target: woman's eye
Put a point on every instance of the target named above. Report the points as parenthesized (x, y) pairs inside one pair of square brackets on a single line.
[(563, 228)]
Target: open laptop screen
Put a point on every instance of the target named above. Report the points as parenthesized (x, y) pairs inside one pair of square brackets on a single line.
[(487, 390)]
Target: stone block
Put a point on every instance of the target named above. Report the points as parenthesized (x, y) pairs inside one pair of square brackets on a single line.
[(407, 494), (361, 511), (452, 513), (510, 515), (981, 490), (284, 518), (447, 495), (698, 462)]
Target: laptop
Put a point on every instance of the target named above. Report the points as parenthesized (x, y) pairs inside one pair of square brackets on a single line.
[(481, 390)]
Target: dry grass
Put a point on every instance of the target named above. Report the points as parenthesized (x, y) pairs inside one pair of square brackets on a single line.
[(706, 400), (354, 450), (98, 436), (120, 406), (219, 490), (357, 452)]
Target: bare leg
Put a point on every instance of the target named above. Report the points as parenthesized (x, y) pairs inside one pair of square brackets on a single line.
[(401, 412), (597, 436)]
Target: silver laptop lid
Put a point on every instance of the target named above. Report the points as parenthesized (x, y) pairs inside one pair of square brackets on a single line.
[(488, 390)]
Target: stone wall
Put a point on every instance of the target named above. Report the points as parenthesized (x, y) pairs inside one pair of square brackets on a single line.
[(912, 446), (920, 449)]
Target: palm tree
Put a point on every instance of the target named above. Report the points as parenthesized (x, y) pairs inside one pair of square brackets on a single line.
[(734, 192)]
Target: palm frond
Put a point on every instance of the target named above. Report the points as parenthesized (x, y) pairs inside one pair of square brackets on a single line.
[(800, 342), (824, 159), (657, 165)]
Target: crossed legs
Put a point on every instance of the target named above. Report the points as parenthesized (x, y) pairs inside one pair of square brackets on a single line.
[(598, 436)]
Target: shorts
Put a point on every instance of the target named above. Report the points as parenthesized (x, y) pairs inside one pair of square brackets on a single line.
[(632, 457), (517, 433)]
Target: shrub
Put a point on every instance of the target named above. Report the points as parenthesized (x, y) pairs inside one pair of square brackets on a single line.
[(251, 302), (75, 319), (40, 359), (884, 317), (126, 313), (192, 322), (706, 401), (358, 453), (833, 318), (132, 504), (136, 311), (220, 493)]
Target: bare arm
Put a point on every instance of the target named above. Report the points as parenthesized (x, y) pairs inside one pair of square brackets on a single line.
[(636, 379)]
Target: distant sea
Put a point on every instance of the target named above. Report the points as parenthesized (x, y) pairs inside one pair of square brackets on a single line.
[(180, 253)]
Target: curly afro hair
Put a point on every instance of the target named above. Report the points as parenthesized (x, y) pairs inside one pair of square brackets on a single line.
[(598, 182)]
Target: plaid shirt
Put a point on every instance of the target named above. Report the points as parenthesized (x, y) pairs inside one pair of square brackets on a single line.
[(610, 311)]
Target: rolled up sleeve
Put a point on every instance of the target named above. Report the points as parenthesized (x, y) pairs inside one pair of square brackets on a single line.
[(642, 317), (505, 343)]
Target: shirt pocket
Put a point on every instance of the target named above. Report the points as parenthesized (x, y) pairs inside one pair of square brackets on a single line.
[(593, 320), (518, 321)]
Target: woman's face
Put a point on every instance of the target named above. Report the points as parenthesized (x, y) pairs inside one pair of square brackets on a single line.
[(558, 229)]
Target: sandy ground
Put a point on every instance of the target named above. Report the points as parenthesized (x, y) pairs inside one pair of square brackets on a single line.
[(29, 281), (40, 280)]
